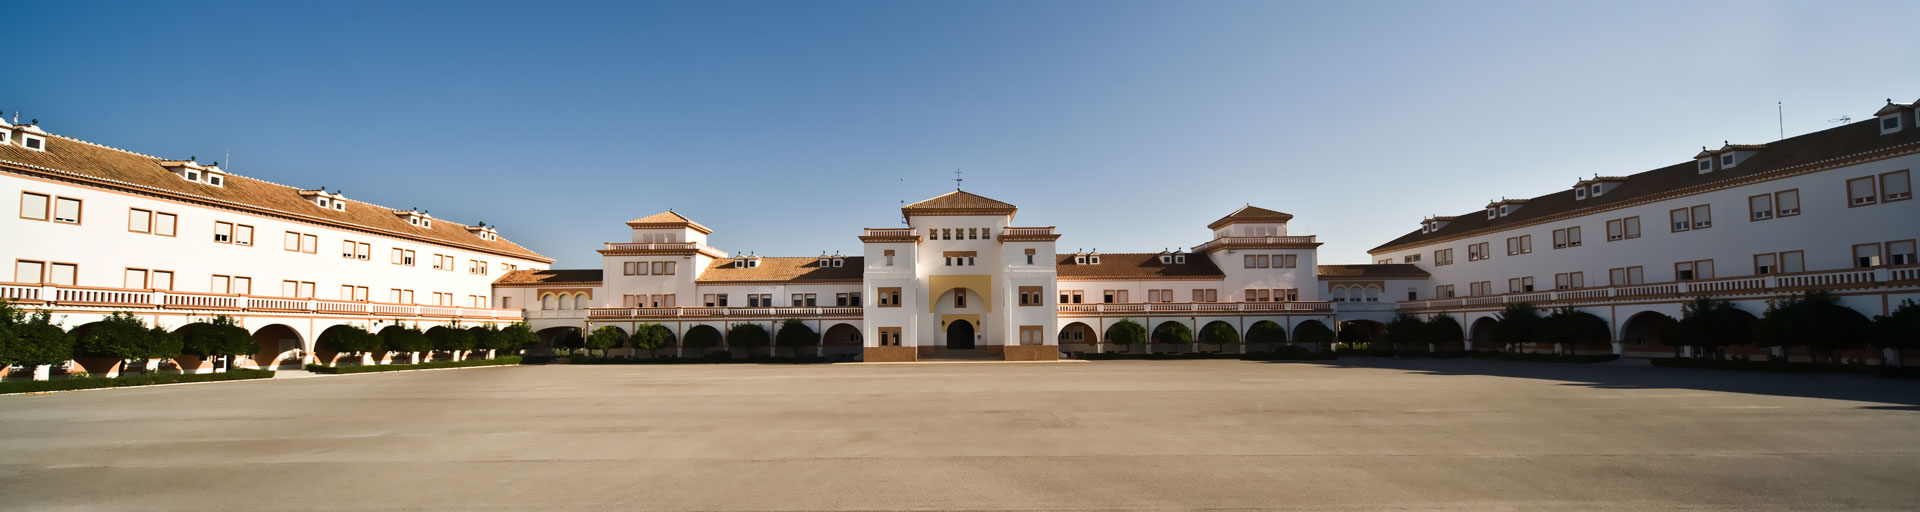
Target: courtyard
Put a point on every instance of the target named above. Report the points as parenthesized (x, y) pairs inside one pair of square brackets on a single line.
[(1356, 434)]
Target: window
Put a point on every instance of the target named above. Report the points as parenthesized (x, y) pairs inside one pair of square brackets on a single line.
[(1626, 276), (1564, 238), (62, 273), (1889, 123), (889, 297), (221, 284), (634, 268), (1786, 203), (889, 336), (889, 255), (1206, 295), (1860, 191), (1293, 294), (136, 278), (359, 293), (139, 221), (1443, 257), (1522, 244), (1032, 335), (402, 257), (1766, 263), (1286, 260), (216, 180), (1866, 255), (1444, 291), (354, 250), (1520, 284), (1894, 186), (296, 289), (242, 285), (1073, 297), (66, 209), (1570, 280), (1726, 160), (1793, 261), (959, 298), (1480, 289), (232, 285), (1477, 252), (1760, 206), (1681, 222), (298, 242), (291, 242), (1579, 193), (1900, 252), (1411, 258), (34, 206), (1706, 165), (1702, 217), (1029, 256), (664, 268), (1031, 296), (162, 280), (439, 261), (1261, 261), (1693, 270), (1622, 229)]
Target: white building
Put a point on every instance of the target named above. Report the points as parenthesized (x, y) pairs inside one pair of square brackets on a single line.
[(1829, 210), (959, 280), (101, 230)]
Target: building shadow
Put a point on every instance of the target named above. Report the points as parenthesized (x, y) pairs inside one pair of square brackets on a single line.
[(1896, 394)]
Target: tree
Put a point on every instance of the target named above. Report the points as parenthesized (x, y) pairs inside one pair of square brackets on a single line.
[(650, 337), (485, 336), (606, 337), (1266, 332), (795, 335), (570, 339), (1897, 332), (1814, 320), (352, 340), (701, 338), (120, 336), (32, 340), (1219, 334), (1406, 330), (1443, 330), (1172, 333), (1127, 333), (160, 345), (451, 339), (747, 337), (405, 340), (1353, 335), (1517, 323), (1313, 332), (1572, 328), (518, 336), (222, 337), (1709, 325)]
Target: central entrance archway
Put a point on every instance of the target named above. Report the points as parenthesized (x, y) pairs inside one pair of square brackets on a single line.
[(960, 335)]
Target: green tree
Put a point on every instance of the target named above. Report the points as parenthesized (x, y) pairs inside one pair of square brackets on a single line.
[(484, 337), (120, 336), (32, 339), (352, 340), (1219, 334), (795, 335), (518, 336), (650, 337), (160, 345), (701, 338), (1314, 333), (1406, 330), (1572, 328), (747, 337), (1172, 333), (1444, 330), (1352, 334), (1814, 320), (451, 339), (604, 338), (1517, 323), (1127, 333), (1897, 332), (222, 337), (1267, 332), (570, 339), (404, 340)]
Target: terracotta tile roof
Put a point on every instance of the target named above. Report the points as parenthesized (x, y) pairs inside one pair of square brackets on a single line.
[(1384, 270), (555, 276), (1251, 213), (957, 200), (783, 269), (1143, 265), (669, 218), (119, 168), (1832, 143)]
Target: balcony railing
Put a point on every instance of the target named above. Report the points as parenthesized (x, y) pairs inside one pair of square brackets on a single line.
[(1011, 231), (1142, 308), (653, 246), (1741, 285), (727, 312), (30, 295), (1255, 240), (892, 232)]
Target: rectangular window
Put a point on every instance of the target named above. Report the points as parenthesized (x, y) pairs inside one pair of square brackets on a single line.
[(889, 336), (1894, 186), (1786, 203), (1522, 244), (62, 273), (1632, 225), (1860, 192), (346, 249), (1760, 207), (162, 280), (1573, 236), (1702, 217), (310, 244), (1681, 222), (242, 285), (889, 297), (1900, 252), (1866, 255), (221, 284), (164, 224), (1261, 261), (1766, 263), (1613, 230), (242, 234), (1443, 291), (34, 206), (1479, 251), (291, 242), (66, 209), (1683, 271), (1793, 261), (889, 255), (1703, 269), (139, 221), (959, 299), (136, 278)]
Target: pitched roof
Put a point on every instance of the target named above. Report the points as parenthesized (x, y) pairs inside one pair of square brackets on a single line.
[(1382, 270), (114, 168), (784, 269), (1141, 265), (669, 218), (1251, 213), (958, 200), (1801, 150), (554, 276)]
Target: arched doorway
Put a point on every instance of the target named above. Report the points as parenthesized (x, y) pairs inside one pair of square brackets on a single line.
[(842, 341), (960, 335), (1481, 334), (702, 339), (1172, 336), (1220, 335), (1078, 337), (280, 347), (1642, 333)]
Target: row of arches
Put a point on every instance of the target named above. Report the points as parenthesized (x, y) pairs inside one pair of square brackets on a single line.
[(1264, 333), (1355, 293), (556, 301), (840, 338)]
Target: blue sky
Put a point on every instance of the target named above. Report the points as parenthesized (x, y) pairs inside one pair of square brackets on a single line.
[(788, 126)]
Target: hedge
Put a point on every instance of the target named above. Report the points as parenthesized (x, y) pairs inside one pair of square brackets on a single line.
[(1283, 354), (1544, 358), (502, 360), (145, 379), (1765, 366)]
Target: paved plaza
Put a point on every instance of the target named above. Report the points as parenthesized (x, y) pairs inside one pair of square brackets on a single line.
[(1358, 434)]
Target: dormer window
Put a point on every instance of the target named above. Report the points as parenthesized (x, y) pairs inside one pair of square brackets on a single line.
[(1179, 259), (1165, 259), (216, 180), (1093, 260), (1706, 165), (324, 202), (1579, 193), (1079, 260), (33, 142), (413, 220), (839, 262), (1493, 213), (1596, 190), (6, 137), (193, 175), (1890, 124), (339, 205), (426, 223), (1726, 160)]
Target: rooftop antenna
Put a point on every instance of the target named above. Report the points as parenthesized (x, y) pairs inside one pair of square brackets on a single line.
[(1780, 115), (1841, 120), (956, 179), (228, 159), (903, 201)]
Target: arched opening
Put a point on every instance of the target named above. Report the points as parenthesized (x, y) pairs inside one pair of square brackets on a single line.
[(1218, 335), (701, 339), (549, 302), (1265, 336), (324, 349), (1751, 326), (1338, 293), (1481, 334), (959, 335), (1312, 332), (1373, 293), (1362, 333), (843, 341), (1078, 337), (1171, 336), (1642, 333), (553, 339), (280, 347)]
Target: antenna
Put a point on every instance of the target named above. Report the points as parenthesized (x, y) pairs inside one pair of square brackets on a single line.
[(1780, 114), (956, 179), (1841, 120), (229, 159), (903, 201)]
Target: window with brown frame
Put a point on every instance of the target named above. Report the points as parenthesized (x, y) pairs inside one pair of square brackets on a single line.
[(1520, 284), (1760, 207), (1517, 245), (1766, 263), (66, 210), (1895, 186), (139, 221), (1900, 252), (1479, 251), (1443, 257), (35, 206), (1568, 237), (889, 297), (29, 271), (136, 279), (1570, 281), (1032, 296), (1860, 192), (889, 336), (1786, 203), (1793, 262), (1444, 291), (1480, 289), (62, 273), (1206, 295), (1073, 296), (1626, 276), (1866, 255), (1693, 270), (1032, 335), (1680, 220)]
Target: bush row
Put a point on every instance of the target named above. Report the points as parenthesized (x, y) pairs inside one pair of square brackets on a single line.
[(502, 360), (1774, 365), (145, 379), (1281, 354)]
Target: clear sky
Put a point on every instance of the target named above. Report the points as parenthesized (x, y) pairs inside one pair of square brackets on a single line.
[(788, 126)]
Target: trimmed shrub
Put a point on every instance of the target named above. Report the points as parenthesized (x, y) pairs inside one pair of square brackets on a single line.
[(503, 360), (144, 379)]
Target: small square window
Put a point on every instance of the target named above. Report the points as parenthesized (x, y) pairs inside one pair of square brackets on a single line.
[(1726, 160)]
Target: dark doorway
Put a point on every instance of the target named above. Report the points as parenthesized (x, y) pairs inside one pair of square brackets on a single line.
[(960, 335)]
